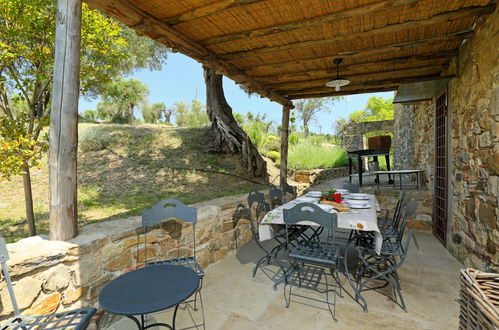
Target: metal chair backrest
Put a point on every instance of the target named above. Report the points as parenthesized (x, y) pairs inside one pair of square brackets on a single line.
[(4, 257), (276, 196), (406, 248), (288, 189), (311, 213), (398, 207), (353, 188), (169, 209), (256, 199), (409, 213)]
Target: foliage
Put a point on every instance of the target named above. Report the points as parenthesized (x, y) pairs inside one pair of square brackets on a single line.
[(272, 142), (308, 109), (332, 196), (152, 113), (120, 99), (377, 108), (17, 148), (90, 115), (274, 155), (193, 115)]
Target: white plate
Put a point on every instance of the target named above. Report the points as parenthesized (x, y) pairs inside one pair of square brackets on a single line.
[(314, 194), (307, 199), (357, 204), (358, 196), (342, 191)]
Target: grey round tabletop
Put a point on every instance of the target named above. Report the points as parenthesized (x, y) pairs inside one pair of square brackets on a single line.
[(148, 290)]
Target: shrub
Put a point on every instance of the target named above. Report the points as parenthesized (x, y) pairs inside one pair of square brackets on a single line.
[(255, 134), (272, 143), (94, 139), (274, 155)]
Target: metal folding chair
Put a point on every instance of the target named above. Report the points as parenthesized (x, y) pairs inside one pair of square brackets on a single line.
[(384, 266), (257, 208), (174, 209), (312, 252), (393, 221), (408, 208), (76, 319)]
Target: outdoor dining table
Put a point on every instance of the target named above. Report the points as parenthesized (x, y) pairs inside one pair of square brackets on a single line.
[(148, 290), (354, 219)]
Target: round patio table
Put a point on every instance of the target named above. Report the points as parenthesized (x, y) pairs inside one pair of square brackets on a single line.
[(148, 290)]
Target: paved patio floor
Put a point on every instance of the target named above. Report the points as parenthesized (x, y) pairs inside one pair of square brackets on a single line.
[(235, 300)]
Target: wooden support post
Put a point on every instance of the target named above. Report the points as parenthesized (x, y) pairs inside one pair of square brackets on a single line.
[(64, 121), (284, 145)]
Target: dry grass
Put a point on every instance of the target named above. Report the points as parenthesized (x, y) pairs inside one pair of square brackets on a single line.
[(112, 187)]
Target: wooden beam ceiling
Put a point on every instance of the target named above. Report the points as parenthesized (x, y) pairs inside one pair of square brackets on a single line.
[(365, 52), (302, 24), (295, 68), (393, 28), (146, 23), (207, 10)]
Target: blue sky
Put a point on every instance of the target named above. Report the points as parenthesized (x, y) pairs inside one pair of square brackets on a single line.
[(181, 79)]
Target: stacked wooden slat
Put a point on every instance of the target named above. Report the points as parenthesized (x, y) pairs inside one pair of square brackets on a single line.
[(479, 300)]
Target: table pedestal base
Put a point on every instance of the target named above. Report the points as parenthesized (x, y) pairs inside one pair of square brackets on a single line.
[(141, 323)]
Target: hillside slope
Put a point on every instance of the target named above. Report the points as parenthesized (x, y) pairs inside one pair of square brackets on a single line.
[(128, 168)]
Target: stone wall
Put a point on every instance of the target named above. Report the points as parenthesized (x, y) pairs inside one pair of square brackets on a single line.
[(474, 112), (54, 276), (353, 133), (403, 131), (424, 140)]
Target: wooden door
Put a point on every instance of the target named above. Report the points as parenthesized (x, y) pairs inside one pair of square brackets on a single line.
[(440, 202)]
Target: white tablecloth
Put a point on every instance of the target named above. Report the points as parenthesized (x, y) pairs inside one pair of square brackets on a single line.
[(359, 219)]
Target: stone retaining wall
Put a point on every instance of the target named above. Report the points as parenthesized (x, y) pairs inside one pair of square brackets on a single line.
[(54, 276), (314, 177)]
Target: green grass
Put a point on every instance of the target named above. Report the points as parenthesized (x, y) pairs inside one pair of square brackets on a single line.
[(110, 187), (308, 155)]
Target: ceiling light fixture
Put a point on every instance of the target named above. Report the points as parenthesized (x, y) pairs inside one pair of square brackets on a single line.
[(337, 82)]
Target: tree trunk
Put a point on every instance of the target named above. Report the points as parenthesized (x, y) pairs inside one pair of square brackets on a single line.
[(64, 121), (283, 173), (229, 137), (28, 199), (305, 128)]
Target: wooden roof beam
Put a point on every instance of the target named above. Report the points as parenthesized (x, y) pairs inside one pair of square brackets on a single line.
[(388, 83), (128, 12), (363, 76), (369, 51), (344, 92), (390, 60), (392, 28), (354, 69), (301, 24), (208, 10)]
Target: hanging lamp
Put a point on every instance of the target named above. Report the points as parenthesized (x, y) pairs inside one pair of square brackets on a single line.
[(338, 82)]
